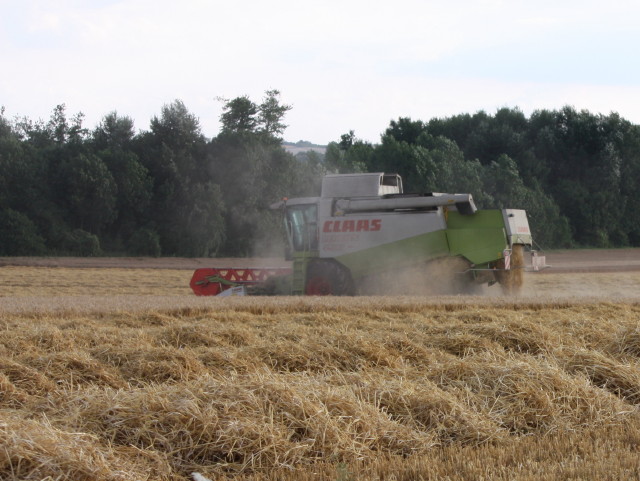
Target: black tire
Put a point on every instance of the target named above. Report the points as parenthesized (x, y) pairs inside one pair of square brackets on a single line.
[(328, 278)]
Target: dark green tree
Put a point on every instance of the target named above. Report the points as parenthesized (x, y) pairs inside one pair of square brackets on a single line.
[(455, 174), (405, 130), (19, 236), (113, 142), (629, 179), (271, 114), (412, 161), (351, 155), (252, 169), (239, 115), (88, 192), (185, 208), (114, 132)]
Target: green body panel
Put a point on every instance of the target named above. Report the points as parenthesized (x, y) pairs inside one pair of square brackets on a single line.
[(481, 238), (482, 219), (398, 254)]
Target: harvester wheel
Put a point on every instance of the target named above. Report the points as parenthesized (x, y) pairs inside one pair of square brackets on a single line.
[(512, 280), (328, 278)]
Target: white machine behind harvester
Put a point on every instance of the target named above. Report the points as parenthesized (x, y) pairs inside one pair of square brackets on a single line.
[(363, 235)]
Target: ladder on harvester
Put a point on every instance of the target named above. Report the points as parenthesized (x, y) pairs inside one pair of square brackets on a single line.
[(300, 263)]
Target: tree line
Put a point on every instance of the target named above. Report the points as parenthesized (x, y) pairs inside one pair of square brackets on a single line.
[(169, 190), (67, 190)]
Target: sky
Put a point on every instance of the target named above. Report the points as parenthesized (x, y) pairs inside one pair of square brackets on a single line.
[(341, 64)]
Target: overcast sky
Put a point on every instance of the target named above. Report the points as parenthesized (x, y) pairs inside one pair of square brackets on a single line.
[(342, 64)]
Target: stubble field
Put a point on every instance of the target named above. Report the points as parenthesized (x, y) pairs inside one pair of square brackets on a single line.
[(115, 372)]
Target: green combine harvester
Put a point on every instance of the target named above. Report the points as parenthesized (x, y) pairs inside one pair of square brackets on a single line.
[(364, 235)]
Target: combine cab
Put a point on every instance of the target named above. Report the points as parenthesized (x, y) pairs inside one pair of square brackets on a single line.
[(363, 235)]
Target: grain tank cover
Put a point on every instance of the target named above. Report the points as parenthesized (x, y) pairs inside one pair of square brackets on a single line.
[(361, 185)]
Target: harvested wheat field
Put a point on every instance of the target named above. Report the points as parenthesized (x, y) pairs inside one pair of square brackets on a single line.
[(123, 374)]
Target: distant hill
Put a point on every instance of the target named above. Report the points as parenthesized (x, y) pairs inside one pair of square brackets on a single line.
[(303, 146)]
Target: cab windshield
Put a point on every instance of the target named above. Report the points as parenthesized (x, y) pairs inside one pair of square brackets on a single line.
[(302, 227)]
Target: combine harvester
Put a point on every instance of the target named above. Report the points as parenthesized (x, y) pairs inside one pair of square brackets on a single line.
[(363, 235)]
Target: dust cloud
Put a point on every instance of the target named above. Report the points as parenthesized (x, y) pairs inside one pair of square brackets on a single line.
[(445, 276)]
